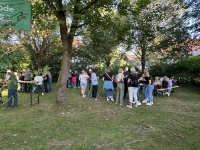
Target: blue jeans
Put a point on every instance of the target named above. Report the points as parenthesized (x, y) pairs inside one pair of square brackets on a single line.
[(145, 90), (73, 84), (12, 93), (49, 83), (109, 92), (150, 92), (138, 96)]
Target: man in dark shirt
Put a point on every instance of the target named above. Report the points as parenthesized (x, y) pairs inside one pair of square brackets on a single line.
[(126, 74), (89, 79), (21, 77), (140, 78)]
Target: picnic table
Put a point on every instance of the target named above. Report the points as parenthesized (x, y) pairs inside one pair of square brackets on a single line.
[(31, 83), (164, 89)]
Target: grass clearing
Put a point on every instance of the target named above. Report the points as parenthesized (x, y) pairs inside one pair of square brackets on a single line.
[(172, 123)]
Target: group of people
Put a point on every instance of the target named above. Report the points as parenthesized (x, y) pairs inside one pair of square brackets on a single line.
[(127, 82), (13, 80), (42, 77), (84, 80)]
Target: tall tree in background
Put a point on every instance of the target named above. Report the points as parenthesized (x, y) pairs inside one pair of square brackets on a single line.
[(101, 42), (72, 15), (43, 37), (156, 25), (194, 19)]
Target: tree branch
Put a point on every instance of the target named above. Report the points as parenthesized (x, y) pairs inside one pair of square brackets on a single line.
[(88, 6), (50, 4)]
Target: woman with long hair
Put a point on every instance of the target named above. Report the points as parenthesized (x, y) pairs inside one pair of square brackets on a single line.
[(150, 87), (108, 85), (83, 82), (120, 87)]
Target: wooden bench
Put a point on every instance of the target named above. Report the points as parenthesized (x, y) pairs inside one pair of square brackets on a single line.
[(164, 89)]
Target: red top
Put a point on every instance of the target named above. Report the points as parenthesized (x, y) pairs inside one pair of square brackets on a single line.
[(74, 79)]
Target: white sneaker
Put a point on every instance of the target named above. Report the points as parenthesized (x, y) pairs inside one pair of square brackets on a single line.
[(107, 98), (145, 100), (168, 94), (149, 104), (129, 106), (42, 93), (138, 103), (112, 99), (84, 95), (134, 103)]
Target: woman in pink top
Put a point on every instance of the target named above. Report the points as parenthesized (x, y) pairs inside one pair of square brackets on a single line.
[(73, 80)]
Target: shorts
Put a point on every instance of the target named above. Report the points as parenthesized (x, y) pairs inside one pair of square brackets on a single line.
[(84, 84)]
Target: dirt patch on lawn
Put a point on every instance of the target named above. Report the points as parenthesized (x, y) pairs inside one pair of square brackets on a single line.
[(65, 143)]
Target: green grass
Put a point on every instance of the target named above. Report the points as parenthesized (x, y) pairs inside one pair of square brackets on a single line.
[(172, 123)]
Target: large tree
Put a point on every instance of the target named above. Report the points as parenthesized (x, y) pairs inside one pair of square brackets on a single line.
[(156, 25), (72, 15), (43, 38)]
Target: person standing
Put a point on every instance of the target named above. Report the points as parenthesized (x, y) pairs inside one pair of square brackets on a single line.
[(139, 78), (150, 87), (144, 88), (77, 79), (50, 80), (12, 89), (126, 74), (83, 82), (133, 82), (120, 87), (94, 82), (108, 85), (69, 79), (27, 77), (21, 78), (89, 79), (73, 80), (45, 81)]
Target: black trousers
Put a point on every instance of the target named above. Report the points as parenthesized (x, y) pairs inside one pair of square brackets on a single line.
[(27, 86), (94, 91), (77, 82), (125, 88)]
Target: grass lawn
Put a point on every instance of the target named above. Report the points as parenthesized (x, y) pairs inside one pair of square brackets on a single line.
[(172, 123)]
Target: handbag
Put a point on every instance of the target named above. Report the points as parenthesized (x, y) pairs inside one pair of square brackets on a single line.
[(109, 77)]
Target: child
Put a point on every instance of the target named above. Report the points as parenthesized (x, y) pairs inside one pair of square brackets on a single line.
[(73, 80)]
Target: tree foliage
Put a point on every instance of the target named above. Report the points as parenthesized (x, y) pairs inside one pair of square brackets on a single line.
[(185, 69), (72, 16), (43, 40), (156, 27)]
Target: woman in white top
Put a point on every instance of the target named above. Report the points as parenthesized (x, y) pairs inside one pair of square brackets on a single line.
[(120, 87), (83, 82)]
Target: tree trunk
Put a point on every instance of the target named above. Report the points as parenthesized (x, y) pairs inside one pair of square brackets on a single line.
[(62, 80), (65, 64), (143, 61)]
